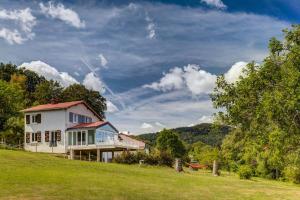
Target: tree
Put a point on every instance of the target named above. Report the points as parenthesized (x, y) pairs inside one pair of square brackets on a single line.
[(11, 101), (168, 141), (263, 107), (48, 91), (94, 99), (204, 154)]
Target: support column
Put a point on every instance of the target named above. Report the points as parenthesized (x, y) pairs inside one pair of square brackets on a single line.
[(72, 154), (89, 155), (112, 155), (79, 155), (98, 155)]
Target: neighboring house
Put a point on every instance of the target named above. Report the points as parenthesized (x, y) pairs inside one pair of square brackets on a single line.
[(74, 128)]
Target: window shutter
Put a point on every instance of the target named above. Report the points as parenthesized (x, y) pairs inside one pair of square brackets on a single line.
[(27, 119), (58, 135), (46, 136), (38, 118), (27, 137), (39, 136)]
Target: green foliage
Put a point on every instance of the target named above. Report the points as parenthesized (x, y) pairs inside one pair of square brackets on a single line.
[(292, 173), (245, 172), (204, 154), (48, 91), (154, 158), (93, 98), (205, 132), (168, 141), (263, 107)]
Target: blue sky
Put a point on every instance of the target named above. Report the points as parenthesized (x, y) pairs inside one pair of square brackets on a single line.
[(155, 61)]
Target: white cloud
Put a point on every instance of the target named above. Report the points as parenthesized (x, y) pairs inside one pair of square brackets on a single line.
[(159, 124), (191, 77), (59, 11), (49, 72), (150, 27), (146, 126), (12, 37), (205, 119), (111, 108), (24, 19), (215, 3), (93, 82), (173, 80), (103, 60), (236, 70)]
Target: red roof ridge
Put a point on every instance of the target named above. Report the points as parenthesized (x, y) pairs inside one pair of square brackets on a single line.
[(58, 106)]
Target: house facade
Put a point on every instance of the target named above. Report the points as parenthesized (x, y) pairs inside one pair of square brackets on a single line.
[(75, 129)]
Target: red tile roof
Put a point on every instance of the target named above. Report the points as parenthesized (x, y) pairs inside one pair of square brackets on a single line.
[(59, 106), (92, 125), (56, 106), (89, 125)]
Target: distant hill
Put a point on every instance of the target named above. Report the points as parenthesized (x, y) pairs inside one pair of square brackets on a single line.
[(201, 132)]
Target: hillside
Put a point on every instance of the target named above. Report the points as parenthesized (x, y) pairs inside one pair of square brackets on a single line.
[(41, 176), (201, 132)]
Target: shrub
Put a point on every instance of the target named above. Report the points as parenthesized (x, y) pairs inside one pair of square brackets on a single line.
[(155, 158), (292, 173), (245, 172)]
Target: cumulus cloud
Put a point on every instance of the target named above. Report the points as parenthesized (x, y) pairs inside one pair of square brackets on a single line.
[(24, 19), (150, 27), (103, 60), (146, 126), (191, 77), (215, 3), (49, 72), (92, 82), (205, 119), (159, 124), (234, 73), (111, 108), (12, 37), (173, 80), (59, 11)]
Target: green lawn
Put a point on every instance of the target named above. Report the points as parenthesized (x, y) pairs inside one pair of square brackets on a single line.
[(26, 175)]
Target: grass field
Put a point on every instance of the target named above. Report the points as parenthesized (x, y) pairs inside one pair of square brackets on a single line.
[(26, 175)]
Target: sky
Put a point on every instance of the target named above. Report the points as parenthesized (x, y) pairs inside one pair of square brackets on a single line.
[(156, 62)]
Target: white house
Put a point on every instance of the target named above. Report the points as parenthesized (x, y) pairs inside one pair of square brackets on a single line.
[(75, 129)]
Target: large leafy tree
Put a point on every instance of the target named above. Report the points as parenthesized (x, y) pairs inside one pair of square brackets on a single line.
[(11, 101), (48, 91), (77, 92), (263, 107), (168, 141)]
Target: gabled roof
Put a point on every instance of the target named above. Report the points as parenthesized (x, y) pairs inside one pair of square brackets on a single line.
[(92, 125), (58, 106)]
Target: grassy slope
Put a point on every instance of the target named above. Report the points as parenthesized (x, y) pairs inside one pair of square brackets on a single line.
[(26, 175)]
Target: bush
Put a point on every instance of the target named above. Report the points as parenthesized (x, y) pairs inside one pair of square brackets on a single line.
[(245, 172), (292, 173), (156, 158)]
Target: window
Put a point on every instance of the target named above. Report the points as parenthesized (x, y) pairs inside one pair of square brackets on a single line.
[(33, 137), (36, 118), (78, 138), (74, 138), (88, 120), (91, 136), (27, 119), (70, 138), (83, 138), (71, 117)]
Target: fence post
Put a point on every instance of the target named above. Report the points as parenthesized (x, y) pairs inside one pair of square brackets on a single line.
[(178, 165), (215, 168)]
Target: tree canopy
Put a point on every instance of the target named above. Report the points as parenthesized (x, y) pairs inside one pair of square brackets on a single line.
[(263, 108)]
